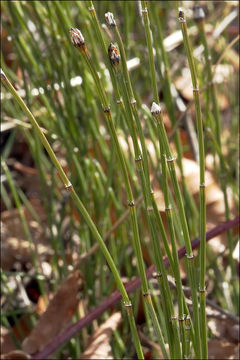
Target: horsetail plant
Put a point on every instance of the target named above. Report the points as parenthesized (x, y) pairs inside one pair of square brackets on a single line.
[(199, 17), (156, 112), (202, 287), (164, 215), (79, 42), (130, 99), (69, 187), (168, 308), (150, 204), (168, 208), (130, 95), (169, 101), (168, 211), (112, 23)]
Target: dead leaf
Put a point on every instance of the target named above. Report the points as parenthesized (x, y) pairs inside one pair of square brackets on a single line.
[(15, 355), (14, 246), (233, 332), (221, 325), (99, 344), (20, 330), (7, 343), (222, 349), (183, 84), (57, 316)]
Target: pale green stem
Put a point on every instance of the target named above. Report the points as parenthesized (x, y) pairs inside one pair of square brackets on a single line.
[(148, 198), (190, 257), (202, 288), (223, 176)]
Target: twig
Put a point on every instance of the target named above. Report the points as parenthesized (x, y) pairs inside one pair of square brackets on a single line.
[(221, 311), (235, 318)]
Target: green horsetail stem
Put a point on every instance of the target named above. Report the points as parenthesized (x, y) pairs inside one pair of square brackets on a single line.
[(202, 287), (167, 205), (169, 101), (156, 112), (199, 17)]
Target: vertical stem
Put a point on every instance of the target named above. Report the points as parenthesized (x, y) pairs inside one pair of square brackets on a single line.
[(151, 210), (199, 17), (202, 288), (98, 31), (168, 211), (172, 115), (168, 98), (156, 112), (150, 50)]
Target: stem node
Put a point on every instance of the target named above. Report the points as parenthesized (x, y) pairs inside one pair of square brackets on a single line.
[(131, 204)]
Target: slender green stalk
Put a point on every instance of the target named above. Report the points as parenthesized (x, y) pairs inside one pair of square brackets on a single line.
[(98, 31), (176, 187), (68, 186), (202, 287), (79, 43), (128, 97), (132, 101), (168, 211), (188, 326), (150, 50), (165, 189), (168, 98), (156, 112), (199, 17)]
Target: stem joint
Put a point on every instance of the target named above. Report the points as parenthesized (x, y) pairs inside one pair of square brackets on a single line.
[(131, 203), (157, 275), (68, 187)]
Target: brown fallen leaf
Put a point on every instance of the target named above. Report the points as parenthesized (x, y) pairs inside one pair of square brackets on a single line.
[(57, 315), (16, 355), (222, 349), (14, 246), (99, 343), (222, 324), (7, 343)]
